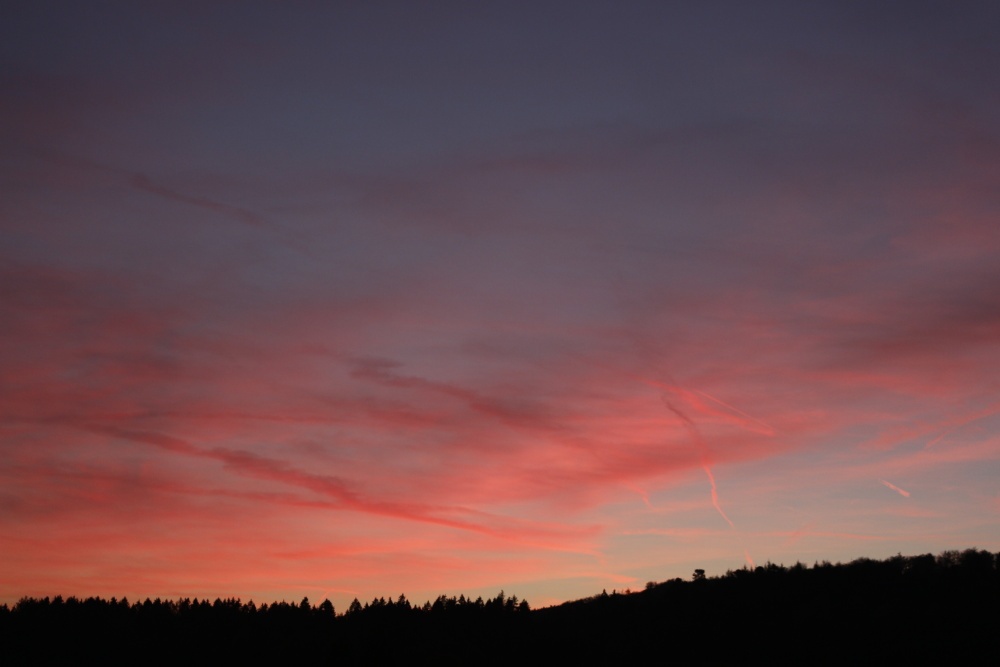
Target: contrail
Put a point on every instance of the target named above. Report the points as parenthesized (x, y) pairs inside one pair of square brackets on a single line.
[(705, 460), (989, 412), (142, 182), (715, 495), (703, 450), (764, 427), (642, 494), (905, 494), (734, 416)]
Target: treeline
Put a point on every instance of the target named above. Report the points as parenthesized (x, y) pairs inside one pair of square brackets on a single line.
[(54, 630), (923, 609), (72, 608), (918, 608)]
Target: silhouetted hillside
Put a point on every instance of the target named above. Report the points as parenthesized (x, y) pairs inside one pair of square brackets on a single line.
[(919, 609)]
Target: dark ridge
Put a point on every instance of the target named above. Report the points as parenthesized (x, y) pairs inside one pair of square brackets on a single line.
[(921, 609)]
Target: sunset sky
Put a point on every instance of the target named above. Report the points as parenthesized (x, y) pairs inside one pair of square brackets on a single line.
[(338, 299)]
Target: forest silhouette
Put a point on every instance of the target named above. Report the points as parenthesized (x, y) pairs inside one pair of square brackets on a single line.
[(921, 609)]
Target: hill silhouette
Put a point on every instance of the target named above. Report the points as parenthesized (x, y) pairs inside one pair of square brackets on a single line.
[(919, 609)]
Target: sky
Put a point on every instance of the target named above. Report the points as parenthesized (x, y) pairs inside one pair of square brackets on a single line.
[(354, 299)]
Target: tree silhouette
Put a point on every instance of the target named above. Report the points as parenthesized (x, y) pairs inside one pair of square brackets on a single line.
[(922, 609)]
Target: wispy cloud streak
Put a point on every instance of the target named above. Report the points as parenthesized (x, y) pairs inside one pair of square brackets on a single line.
[(905, 494), (705, 457), (142, 182), (261, 467)]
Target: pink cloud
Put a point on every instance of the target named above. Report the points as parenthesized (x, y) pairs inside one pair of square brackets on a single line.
[(905, 494)]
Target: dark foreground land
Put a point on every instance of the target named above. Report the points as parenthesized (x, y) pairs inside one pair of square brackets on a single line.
[(913, 609)]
